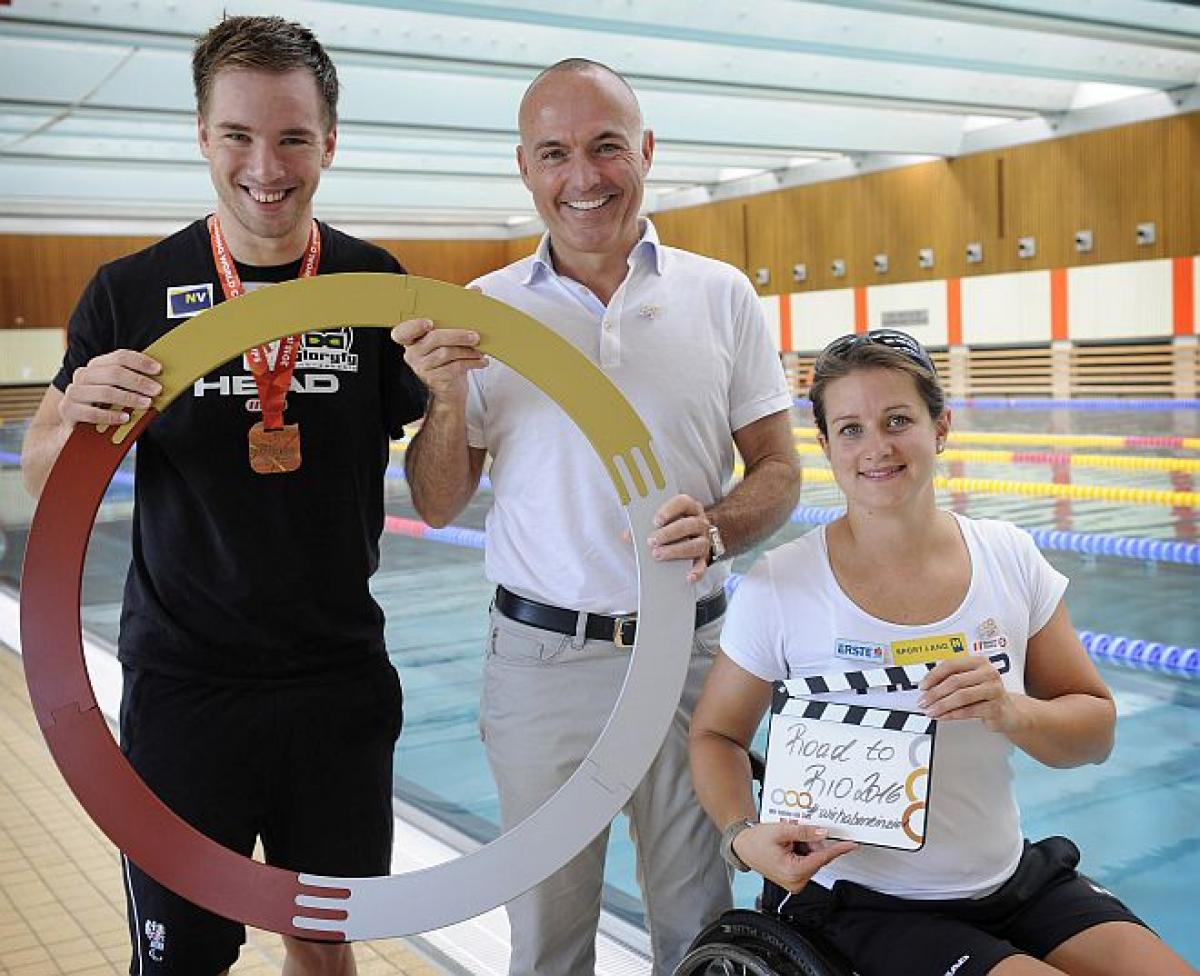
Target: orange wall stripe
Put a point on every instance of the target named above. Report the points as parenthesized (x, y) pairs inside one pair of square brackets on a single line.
[(1058, 304), (954, 311), (1183, 296), (785, 324), (860, 310)]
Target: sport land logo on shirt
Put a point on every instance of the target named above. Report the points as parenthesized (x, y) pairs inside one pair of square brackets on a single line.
[(921, 650), (860, 650), (184, 301)]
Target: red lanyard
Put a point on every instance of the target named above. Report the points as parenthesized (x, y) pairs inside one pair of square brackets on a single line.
[(272, 382)]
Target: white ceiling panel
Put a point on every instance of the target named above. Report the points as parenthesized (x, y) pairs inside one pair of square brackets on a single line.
[(97, 115)]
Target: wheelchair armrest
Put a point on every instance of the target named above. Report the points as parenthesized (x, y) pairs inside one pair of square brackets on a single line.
[(758, 766)]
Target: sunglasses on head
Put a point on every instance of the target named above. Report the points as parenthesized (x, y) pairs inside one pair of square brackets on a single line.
[(902, 342)]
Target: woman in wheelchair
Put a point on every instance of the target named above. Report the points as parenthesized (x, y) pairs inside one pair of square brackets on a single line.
[(895, 570)]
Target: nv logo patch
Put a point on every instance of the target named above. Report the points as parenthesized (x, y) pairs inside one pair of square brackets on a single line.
[(184, 301)]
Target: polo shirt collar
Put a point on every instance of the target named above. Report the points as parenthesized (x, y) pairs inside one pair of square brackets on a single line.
[(647, 249)]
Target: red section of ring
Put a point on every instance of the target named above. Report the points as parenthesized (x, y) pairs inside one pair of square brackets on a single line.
[(133, 818)]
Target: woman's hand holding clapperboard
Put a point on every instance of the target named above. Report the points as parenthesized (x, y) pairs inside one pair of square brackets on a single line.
[(788, 853)]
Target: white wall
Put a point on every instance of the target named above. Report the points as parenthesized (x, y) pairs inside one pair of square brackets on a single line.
[(929, 296), (770, 304), (1196, 291), (1129, 300), (1119, 301), (1006, 308), (819, 317), (30, 355)]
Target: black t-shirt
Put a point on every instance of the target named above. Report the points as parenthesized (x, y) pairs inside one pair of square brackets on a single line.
[(237, 575)]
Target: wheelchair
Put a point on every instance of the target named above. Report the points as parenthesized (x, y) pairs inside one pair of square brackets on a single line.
[(747, 942)]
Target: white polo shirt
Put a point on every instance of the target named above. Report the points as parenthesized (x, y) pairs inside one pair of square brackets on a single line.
[(685, 340)]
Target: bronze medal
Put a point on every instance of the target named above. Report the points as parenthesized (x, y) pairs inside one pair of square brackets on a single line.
[(274, 451)]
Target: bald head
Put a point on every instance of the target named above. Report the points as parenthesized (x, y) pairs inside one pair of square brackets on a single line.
[(543, 89), (584, 156)]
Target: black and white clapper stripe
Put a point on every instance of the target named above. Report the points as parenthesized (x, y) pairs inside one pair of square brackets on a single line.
[(875, 718), (899, 678)]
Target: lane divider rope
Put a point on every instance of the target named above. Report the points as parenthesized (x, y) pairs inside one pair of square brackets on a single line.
[(1122, 462), (1049, 403), (1085, 543), (1083, 403), (1129, 651), (1116, 441), (993, 486)]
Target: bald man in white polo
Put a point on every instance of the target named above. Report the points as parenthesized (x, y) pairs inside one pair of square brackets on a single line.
[(684, 338)]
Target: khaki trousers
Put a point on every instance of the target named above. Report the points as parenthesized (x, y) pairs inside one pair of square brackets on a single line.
[(546, 698)]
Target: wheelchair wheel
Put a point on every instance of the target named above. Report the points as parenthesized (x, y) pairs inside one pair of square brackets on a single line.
[(748, 943), (726, 959)]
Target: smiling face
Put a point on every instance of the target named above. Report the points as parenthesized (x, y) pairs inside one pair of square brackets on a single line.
[(266, 142), (584, 157), (881, 443)]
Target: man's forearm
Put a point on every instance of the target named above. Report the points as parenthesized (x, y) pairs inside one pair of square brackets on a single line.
[(44, 440), (441, 475), (42, 446), (759, 504)]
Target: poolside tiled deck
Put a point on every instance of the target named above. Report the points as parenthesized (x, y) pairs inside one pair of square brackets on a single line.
[(62, 906)]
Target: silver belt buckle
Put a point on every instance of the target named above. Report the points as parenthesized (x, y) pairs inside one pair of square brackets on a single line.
[(619, 629)]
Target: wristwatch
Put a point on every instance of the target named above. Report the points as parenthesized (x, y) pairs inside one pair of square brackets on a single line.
[(716, 545), (728, 836)]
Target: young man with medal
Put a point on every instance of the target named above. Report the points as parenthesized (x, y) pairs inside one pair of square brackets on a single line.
[(259, 702)]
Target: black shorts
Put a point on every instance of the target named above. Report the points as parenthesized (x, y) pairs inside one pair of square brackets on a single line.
[(306, 767), (1044, 903)]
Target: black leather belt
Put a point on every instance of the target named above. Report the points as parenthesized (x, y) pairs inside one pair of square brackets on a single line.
[(620, 630)]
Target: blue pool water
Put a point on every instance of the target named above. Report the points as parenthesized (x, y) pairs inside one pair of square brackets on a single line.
[(1136, 817)]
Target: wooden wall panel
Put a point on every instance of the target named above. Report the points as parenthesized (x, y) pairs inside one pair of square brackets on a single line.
[(1183, 177), (766, 227), (1106, 181), (42, 276), (810, 225), (717, 230), (900, 212), (520, 247), (456, 261), (972, 212)]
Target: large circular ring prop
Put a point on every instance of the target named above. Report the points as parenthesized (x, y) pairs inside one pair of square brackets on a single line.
[(331, 908)]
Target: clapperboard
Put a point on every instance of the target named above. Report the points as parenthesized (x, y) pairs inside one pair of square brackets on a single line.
[(863, 773)]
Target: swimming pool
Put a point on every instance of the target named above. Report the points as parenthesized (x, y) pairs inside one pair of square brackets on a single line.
[(1136, 818)]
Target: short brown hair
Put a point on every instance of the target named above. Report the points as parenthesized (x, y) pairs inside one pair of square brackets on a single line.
[(263, 44), (871, 355)]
